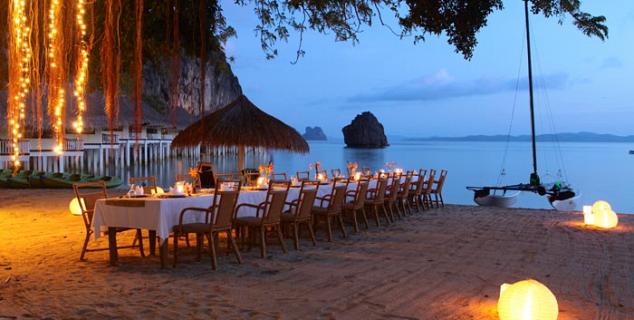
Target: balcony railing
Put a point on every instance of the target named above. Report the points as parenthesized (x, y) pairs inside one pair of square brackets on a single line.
[(73, 145), (6, 147), (109, 138)]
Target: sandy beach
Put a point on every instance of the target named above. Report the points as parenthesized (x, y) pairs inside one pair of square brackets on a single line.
[(442, 264)]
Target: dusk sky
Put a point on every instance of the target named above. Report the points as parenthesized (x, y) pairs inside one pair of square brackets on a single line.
[(427, 89)]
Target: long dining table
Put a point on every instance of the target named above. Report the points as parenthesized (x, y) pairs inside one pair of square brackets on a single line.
[(160, 213)]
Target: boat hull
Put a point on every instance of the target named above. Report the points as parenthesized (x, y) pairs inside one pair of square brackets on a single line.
[(570, 204), (499, 201)]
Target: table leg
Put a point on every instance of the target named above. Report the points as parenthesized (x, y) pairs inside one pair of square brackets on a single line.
[(163, 252), (112, 245), (152, 242)]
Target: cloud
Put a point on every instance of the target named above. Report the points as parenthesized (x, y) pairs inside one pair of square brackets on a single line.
[(611, 63), (441, 85)]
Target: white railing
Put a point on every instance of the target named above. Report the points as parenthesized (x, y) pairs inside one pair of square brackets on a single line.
[(73, 145), (109, 138), (154, 136), (6, 146)]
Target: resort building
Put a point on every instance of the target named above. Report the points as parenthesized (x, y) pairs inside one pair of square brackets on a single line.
[(98, 145)]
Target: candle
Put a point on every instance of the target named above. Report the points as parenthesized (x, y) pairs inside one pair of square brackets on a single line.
[(180, 187)]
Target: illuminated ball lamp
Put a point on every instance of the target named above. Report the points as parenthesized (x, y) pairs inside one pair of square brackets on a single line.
[(600, 215), (527, 299), (74, 207)]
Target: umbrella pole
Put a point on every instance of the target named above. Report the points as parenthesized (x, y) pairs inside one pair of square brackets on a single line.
[(240, 158)]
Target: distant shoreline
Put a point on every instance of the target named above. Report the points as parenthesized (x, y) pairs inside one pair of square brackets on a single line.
[(561, 137)]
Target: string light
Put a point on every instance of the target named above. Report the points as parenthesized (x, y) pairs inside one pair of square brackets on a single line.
[(82, 69), (57, 94), (20, 54)]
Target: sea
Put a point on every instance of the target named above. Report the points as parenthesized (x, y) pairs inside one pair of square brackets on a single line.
[(598, 171)]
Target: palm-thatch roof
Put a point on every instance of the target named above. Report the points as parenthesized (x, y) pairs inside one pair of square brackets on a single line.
[(241, 124)]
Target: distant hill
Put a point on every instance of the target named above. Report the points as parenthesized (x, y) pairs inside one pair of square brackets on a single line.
[(562, 137)]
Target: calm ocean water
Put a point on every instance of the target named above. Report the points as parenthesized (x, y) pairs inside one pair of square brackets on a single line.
[(598, 170)]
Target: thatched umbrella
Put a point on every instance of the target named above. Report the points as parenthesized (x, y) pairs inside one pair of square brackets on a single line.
[(241, 124)]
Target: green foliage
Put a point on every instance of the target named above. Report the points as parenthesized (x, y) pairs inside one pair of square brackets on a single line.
[(459, 20)]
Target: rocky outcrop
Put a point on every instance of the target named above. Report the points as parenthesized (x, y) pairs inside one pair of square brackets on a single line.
[(314, 134), (365, 131), (221, 85)]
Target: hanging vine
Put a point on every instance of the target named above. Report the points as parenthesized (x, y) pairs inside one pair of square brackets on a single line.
[(138, 66), (19, 74), (111, 60), (82, 62), (175, 60)]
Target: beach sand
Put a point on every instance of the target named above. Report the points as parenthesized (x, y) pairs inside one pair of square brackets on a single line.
[(442, 264)]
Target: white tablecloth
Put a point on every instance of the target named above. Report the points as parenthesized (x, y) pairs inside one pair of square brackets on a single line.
[(162, 214)]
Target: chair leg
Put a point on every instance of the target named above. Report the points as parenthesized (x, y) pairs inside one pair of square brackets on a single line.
[(442, 202), (199, 246), (85, 246), (354, 219), (262, 242), (386, 214), (296, 234), (280, 236), (236, 251), (139, 235), (312, 233), (175, 249), (212, 250), (376, 215), (329, 228), (365, 218), (343, 228)]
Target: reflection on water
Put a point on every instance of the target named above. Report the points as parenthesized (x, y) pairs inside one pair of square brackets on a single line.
[(598, 170)]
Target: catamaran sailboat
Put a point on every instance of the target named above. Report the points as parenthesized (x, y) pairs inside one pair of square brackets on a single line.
[(559, 194)]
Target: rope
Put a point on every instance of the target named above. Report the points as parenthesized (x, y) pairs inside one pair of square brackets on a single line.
[(510, 129)]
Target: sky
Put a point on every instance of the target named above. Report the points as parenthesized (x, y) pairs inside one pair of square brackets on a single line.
[(427, 89)]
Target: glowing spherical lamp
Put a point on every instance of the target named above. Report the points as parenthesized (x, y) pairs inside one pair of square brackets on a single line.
[(606, 219), (527, 299), (600, 214), (75, 207)]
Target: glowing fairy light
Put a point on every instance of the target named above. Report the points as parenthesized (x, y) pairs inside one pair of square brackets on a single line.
[(56, 93), (19, 74), (81, 75)]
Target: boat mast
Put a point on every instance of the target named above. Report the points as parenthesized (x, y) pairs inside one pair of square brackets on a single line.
[(534, 179)]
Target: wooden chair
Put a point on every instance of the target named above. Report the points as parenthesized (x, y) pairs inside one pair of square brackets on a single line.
[(229, 177), (336, 173), (391, 195), (88, 193), (218, 218), (357, 205), (376, 200), (301, 211), (279, 176), (437, 191), (416, 193), (334, 209), (427, 189), (250, 176), (268, 215), (148, 183), (303, 175), (403, 195)]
